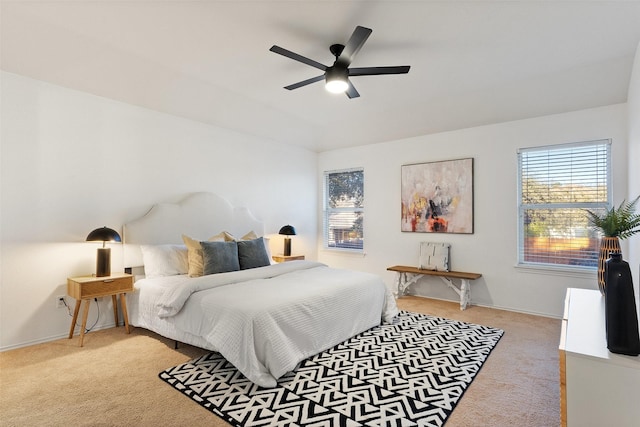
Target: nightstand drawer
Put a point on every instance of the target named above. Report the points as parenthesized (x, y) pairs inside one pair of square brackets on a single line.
[(90, 287), (285, 258)]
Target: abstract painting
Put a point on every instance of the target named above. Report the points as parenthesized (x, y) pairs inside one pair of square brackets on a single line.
[(437, 197)]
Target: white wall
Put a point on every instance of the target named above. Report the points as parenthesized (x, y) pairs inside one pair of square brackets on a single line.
[(633, 101), (491, 250), (72, 162)]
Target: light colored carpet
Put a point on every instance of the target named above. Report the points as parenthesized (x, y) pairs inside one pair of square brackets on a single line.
[(113, 380)]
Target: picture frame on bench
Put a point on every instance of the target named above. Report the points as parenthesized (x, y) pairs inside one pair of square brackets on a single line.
[(435, 256)]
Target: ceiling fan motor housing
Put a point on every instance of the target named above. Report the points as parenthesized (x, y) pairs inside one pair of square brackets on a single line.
[(336, 72)]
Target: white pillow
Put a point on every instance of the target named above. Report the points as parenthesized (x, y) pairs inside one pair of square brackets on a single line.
[(164, 260)]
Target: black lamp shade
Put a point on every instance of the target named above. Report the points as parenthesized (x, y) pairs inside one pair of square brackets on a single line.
[(287, 230), (104, 234), (103, 260)]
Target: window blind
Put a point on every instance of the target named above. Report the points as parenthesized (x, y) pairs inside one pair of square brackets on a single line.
[(556, 184)]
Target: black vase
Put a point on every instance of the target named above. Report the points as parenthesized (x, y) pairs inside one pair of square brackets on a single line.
[(620, 308)]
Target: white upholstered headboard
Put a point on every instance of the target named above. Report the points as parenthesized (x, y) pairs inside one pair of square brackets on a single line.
[(198, 215)]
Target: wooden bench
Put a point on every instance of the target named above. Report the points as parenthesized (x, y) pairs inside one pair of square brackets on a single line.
[(409, 275)]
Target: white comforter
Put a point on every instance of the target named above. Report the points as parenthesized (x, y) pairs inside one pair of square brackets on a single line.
[(265, 320)]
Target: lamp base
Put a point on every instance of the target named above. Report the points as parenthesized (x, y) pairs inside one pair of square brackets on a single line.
[(103, 262), (287, 246)]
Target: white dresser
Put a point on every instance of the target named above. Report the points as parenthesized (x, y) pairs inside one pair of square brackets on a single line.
[(597, 387)]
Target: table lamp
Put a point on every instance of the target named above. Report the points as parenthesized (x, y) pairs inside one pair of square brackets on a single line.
[(287, 231), (103, 260)]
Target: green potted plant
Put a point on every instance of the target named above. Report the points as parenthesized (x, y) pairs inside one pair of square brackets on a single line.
[(615, 224)]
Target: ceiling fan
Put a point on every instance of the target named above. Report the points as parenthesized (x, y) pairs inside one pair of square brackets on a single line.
[(337, 75)]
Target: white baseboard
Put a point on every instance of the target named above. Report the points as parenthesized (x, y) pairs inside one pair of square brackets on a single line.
[(495, 307), (54, 338)]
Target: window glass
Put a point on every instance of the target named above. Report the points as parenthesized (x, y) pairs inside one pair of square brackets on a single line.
[(344, 209)]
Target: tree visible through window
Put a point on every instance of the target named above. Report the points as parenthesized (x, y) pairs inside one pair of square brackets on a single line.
[(556, 184), (344, 209)]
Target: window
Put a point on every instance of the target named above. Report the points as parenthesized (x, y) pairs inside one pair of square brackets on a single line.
[(556, 184), (344, 209)]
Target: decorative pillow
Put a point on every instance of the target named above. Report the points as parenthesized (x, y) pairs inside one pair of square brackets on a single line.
[(267, 248), (196, 262), (252, 253), (164, 260), (252, 236), (249, 236), (220, 257), (223, 235), (434, 256)]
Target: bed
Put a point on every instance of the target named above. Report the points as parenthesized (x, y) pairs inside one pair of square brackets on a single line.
[(262, 317)]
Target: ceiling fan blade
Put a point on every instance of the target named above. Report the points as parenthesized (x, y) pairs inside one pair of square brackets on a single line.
[(374, 71), (351, 49), (305, 82), (351, 91), (296, 57)]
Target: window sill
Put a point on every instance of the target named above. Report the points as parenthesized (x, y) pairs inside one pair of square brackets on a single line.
[(558, 271), (352, 252)]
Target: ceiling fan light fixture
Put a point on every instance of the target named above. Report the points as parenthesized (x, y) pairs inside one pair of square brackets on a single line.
[(336, 79), (336, 86)]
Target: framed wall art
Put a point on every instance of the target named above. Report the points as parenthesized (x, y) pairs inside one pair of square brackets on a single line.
[(437, 197)]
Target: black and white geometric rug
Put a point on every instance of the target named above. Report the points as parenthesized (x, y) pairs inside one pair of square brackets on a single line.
[(412, 372)]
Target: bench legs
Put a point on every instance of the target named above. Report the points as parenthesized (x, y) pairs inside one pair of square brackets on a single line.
[(404, 280), (463, 291)]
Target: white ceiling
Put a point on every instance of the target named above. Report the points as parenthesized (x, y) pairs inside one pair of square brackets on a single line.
[(472, 63)]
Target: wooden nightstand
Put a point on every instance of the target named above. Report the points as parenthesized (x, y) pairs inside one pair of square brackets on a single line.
[(85, 288), (284, 258)]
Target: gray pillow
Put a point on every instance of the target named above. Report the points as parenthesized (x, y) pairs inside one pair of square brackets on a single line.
[(252, 253), (219, 257)]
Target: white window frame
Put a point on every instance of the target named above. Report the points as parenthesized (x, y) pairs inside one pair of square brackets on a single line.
[(524, 207), (329, 243)]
